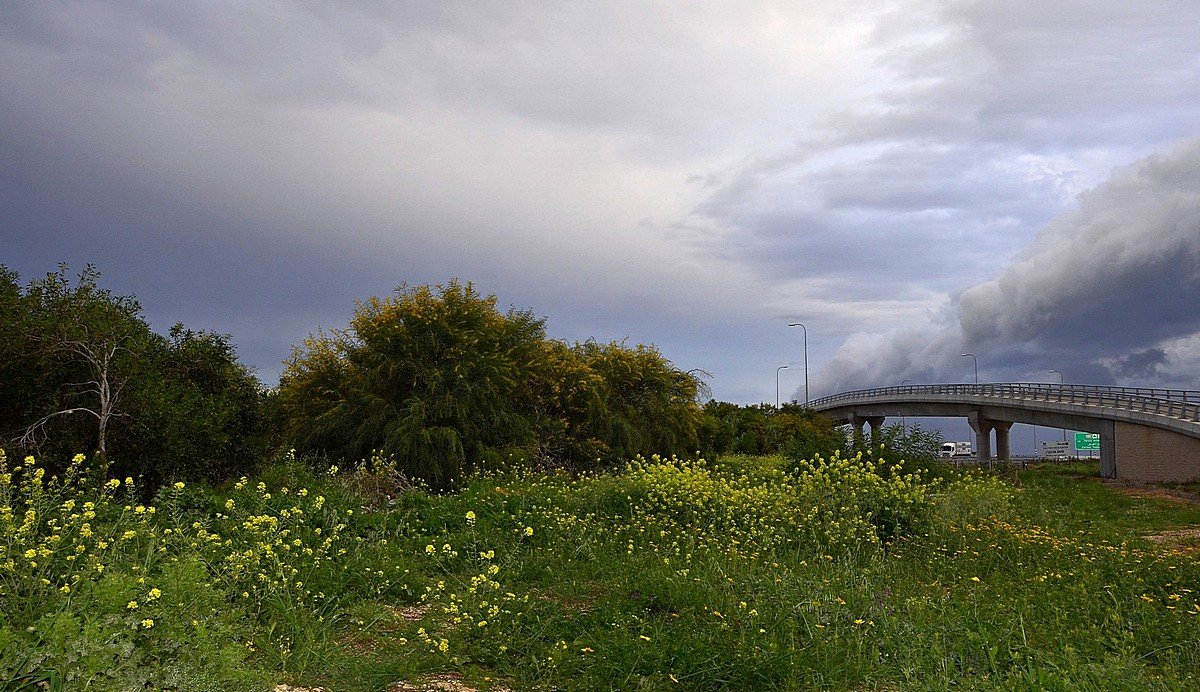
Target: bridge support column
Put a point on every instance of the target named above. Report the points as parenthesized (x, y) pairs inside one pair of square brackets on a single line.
[(876, 423), (983, 437), (1003, 453)]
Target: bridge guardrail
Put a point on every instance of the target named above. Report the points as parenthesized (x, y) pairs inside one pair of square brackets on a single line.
[(1183, 404)]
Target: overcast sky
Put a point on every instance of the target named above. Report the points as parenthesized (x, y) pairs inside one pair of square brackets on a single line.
[(910, 179)]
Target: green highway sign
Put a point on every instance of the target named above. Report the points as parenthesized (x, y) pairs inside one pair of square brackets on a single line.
[(1087, 441)]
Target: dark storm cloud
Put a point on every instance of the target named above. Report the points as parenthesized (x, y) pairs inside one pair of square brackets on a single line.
[(1142, 365), (1120, 272), (1099, 295)]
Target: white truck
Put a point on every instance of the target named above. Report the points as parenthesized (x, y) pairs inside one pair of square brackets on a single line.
[(956, 449)]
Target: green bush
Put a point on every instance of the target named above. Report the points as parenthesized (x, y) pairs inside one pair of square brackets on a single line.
[(444, 382), (81, 369), (646, 404), (436, 377)]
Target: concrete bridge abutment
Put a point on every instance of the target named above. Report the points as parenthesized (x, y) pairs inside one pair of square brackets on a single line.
[(1151, 454)]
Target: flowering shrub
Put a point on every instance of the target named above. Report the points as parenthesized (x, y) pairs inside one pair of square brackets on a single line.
[(91, 587), (835, 503), (89, 576), (57, 534), (862, 497)]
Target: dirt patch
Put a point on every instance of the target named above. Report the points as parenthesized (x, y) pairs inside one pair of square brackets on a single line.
[(289, 688), (441, 682), (578, 604), (361, 645), (1152, 492), (408, 613), (1183, 539), (401, 618)]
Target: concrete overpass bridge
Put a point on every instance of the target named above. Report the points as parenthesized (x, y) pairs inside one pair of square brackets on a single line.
[(1145, 434)]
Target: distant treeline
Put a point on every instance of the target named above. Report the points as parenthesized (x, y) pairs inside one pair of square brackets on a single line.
[(436, 378), (764, 429)]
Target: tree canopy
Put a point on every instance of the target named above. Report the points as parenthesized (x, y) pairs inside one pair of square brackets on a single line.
[(443, 380)]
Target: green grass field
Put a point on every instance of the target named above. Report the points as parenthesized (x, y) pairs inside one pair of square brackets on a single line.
[(669, 575)]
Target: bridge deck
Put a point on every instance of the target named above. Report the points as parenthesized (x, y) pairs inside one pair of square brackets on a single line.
[(1154, 417)]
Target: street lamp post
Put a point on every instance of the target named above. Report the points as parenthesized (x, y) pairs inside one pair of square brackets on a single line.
[(805, 330), (976, 361), (781, 367), (1060, 384), (904, 419)]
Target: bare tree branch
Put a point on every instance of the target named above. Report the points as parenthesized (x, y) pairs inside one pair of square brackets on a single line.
[(28, 439)]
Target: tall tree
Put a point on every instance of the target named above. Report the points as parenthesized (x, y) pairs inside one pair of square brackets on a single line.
[(87, 331), (436, 376), (443, 380)]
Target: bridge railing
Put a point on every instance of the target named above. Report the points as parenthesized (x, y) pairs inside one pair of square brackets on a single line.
[(1176, 403)]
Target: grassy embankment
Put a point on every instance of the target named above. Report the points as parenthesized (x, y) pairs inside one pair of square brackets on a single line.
[(672, 575)]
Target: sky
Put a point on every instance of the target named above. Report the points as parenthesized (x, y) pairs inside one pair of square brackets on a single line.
[(910, 179)]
